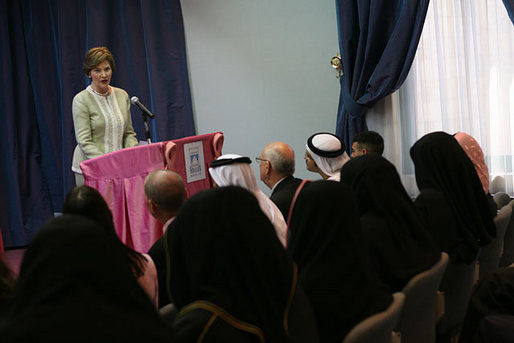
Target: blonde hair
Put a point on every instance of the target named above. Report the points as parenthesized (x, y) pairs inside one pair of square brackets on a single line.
[(95, 56)]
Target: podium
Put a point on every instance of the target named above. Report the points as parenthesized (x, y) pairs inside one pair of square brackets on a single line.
[(119, 176)]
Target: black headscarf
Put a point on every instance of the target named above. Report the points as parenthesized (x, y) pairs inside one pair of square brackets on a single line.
[(88, 202), (492, 295), (441, 164), (326, 243), (76, 285), (396, 237), (224, 250)]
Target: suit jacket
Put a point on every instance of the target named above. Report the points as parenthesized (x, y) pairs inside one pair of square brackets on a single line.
[(158, 256), (283, 194)]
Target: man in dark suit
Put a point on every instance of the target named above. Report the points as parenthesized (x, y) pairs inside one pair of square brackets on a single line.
[(276, 171), (165, 193)]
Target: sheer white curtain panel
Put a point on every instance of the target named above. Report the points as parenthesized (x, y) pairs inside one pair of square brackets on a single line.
[(462, 79)]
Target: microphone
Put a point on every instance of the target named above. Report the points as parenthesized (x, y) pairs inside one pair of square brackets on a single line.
[(135, 101)]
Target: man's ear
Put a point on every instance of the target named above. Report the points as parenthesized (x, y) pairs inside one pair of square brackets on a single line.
[(153, 206), (150, 205), (268, 168)]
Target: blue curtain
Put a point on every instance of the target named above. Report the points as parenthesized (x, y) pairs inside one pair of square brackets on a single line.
[(377, 41), (42, 47), (509, 5)]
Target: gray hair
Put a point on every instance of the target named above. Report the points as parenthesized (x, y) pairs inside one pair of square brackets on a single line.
[(279, 161)]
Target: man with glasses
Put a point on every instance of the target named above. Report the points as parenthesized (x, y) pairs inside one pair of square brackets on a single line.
[(276, 166)]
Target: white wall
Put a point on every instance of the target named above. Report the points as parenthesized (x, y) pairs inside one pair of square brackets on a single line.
[(260, 72)]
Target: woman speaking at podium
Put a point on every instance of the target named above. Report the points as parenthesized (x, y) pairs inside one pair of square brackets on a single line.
[(101, 113)]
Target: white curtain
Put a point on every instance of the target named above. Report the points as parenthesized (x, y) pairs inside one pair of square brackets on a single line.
[(462, 79)]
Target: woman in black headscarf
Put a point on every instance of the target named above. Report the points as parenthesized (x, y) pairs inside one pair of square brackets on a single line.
[(492, 295), (75, 285), (397, 241), (451, 196), (88, 202), (230, 277), (326, 243)]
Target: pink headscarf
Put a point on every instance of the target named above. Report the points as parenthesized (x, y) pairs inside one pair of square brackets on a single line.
[(476, 155)]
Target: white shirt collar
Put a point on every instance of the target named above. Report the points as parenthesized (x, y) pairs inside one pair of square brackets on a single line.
[(276, 184), (166, 225)]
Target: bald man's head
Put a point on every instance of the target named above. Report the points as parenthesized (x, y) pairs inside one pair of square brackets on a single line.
[(281, 157), (277, 163), (165, 190)]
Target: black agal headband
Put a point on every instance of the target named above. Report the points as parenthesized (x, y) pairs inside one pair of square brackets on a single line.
[(225, 161), (324, 153)]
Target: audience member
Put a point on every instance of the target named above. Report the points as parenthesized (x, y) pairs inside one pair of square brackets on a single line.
[(396, 237), (77, 285), (476, 155), (449, 188), (367, 142), (451, 193), (165, 193), (88, 202), (496, 328), (230, 277), (276, 171), (325, 241), (492, 295), (325, 154), (235, 170)]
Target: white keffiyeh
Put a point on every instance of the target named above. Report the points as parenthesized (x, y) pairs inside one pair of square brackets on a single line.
[(241, 174), (330, 166)]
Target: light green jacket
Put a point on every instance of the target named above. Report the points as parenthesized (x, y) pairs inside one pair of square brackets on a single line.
[(99, 128)]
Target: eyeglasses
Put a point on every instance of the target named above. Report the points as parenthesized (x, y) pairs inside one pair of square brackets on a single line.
[(258, 160)]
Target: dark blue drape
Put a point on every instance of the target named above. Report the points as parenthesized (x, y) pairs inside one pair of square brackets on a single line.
[(509, 5), (42, 47), (377, 41)]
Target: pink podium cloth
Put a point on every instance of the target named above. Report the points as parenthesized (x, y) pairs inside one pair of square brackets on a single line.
[(119, 176)]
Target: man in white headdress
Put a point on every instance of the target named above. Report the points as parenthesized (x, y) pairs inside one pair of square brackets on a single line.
[(325, 154), (235, 170)]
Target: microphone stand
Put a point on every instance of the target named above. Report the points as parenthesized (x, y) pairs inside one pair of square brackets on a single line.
[(147, 130)]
